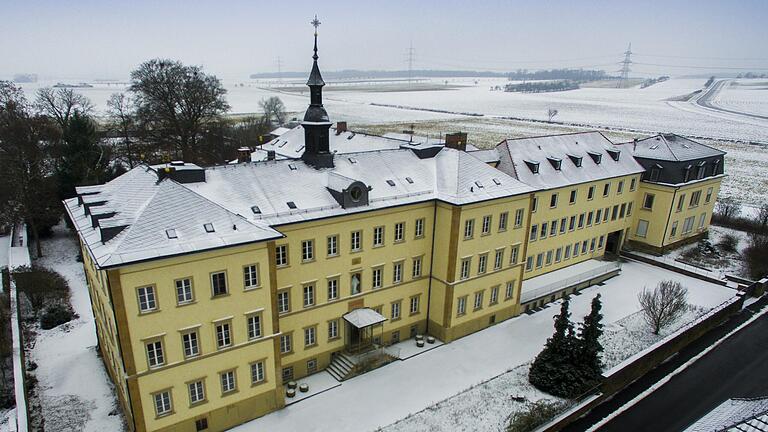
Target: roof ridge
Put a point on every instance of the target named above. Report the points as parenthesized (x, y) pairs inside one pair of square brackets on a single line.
[(555, 135)]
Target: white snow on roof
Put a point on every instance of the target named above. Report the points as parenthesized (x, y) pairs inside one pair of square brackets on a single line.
[(364, 317), (514, 153), (279, 131), (670, 147), (487, 156), (736, 415)]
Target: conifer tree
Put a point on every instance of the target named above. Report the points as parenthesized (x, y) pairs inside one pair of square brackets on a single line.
[(552, 370), (589, 361)]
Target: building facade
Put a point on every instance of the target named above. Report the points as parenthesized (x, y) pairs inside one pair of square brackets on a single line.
[(212, 287)]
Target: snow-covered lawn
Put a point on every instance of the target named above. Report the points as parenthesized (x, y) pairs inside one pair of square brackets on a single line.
[(391, 393), (73, 386)]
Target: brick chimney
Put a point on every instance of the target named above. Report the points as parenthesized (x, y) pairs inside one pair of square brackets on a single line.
[(457, 141), (341, 127), (244, 154)]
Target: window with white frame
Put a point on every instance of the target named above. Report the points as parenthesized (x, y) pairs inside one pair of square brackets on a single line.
[(702, 219), (498, 260), (620, 187), (307, 250), (553, 228), (478, 300), (376, 278), (519, 213), (283, 302), (465, 263), (254, 326), (414, 305), (196, 392), (395, 310), (399, 232), (482, 263), (584, 245), (397, 272), (673, 230), (418, 229), (553, 200), (163, 403), (251, 276), (190, 343), (590, 193), (494, 295), (281, 255), (642, 228), (544, 227), (601, 242), (558, 254), (223, 335), (309, 295), (461, 306), (513, 255), (333, 329), (567, 252), (534, 233), (257, 372), (333, 245), (310, 336), (632, 184), (417, 267), (695, 198), (648, 201), (606, 189), (549, 257), (469, 228), (486, 225), (333, 289), (680, 203), (563, 225), (529, 263), (688, 224), (355, 240), (378, 236), (228, 383), (184, 291), (147, 301), (219, 283), (155, 355), (286, 345), (510, 290), (503, 217), (708, 198)]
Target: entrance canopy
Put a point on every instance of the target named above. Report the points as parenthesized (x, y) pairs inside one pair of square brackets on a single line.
[(364, 317)]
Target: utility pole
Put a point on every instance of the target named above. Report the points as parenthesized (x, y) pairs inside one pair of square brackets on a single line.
[(410, 63), (624, 80)]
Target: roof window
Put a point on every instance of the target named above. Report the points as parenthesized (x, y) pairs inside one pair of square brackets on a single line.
[(292, 167), (291, 205), (391, 182), (497, 181), (409, 180), (479, 185), (352, 160), (171, 233), (256, 210), (208, 227), (300, 149)]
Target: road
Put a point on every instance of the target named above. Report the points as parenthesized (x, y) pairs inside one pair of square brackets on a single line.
[(736, 368), (708, 95)]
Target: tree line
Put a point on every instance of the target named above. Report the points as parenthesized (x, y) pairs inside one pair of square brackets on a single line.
[(53, 143), (580, 75)]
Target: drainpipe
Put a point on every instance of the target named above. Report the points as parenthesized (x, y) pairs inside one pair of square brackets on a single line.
[(431, 262), (669, 216)]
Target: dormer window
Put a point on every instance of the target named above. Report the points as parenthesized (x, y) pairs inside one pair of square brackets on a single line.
[(614, 154), (171, 233), (555, 162), (701, 169), (687, 173), (208, 227), (576, 160), (715, 166), (655, 173), (533, 166), (596, 157)]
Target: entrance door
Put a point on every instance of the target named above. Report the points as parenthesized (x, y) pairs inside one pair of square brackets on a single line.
[(613, 242), (353, 337)]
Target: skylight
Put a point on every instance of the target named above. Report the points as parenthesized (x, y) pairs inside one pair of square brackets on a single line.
[(283, 144), (298, 150), (479, 185), (171, 233), (352, 160), (208, 227), (409, 180), (256, 210), (292, 167), (498, 183), (291, 204), (391, 182), (352, 135)]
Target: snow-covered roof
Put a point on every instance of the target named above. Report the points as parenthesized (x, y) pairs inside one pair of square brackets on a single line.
[(554, 161), (487, 155), (735, 415), (279, 131), (364, 317), (670, 147)]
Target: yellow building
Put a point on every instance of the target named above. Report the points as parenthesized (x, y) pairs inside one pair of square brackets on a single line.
[(213, 287)]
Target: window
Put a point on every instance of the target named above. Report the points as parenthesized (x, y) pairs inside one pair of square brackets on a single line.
[(518, 218), (254, 326), (461, 306), (572, 223), (534, 232), (567, 252), (539, 260), (201, 424), (155, 356), (620, 187), (418, 229), (223, 335), (147, 300), (486, 225), (709, 196), (251, 276), (584, 247), (285, 344), (257, 372), (632, 184), (559, 254), (184, 291), (648, 201), (615, 212), (333, 246), (510, 291), (498, 261), (589, 218), (535, 204), (417, 267), (598, 216), (311, 366), (503, 221), (208, 227), (310, 336), (680, 203), (590, 193), (163, 403), (655, 173), (606, 189), (307, 250), (479, 300), (592, 245), (606, 214), (553, 200), (529, 263), (642, 228), (695, 198), (399, 231), (465, 268), (287, 374), (355, 286), (355, 240), (513, 255), (553, 228), (469, 227), (673, 231), (376, 277), (576, 249), (572, 199), (544, 227), (688, 224), (219, 283), (563, 226), (549, 257), (623, 210), (190, 343), (702, 220), (701, 169), (333, 329), (494, 295), (629, 209), (581, 220), (482, 263), (283, 302), (601, 242), (414, 305), (228, 381), (395, 310), (281, 255), (196, 392), (378, 236), (397, 272), (333, 289)]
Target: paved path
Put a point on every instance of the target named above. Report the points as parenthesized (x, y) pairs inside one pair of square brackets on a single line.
[(736, 368), (707, 96)]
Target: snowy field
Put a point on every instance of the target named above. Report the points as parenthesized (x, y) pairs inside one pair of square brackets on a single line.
[(413, 385), (75, 391), (745, 95)]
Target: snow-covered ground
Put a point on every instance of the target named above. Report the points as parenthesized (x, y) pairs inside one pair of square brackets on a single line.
[(400, 389), (745, 95), (732, 264), (73, 386)]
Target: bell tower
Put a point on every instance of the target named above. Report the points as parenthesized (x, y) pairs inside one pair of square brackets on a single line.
[(316, 123)]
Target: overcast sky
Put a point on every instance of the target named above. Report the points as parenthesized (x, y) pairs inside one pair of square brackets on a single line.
[(106, 39)]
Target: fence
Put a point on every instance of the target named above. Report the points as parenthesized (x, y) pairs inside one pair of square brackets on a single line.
[(576, 279), (717, 277)]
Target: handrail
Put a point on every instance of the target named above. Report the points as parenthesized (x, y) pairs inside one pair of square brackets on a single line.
[(570, 281)]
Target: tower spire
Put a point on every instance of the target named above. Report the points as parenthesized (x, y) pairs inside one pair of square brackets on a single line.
[(316, 123)]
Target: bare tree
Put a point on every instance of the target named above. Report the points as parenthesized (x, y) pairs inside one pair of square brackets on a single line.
[(274, 110), (664, 305), (122, 114), (551, 113), (61, 104), (728, 208)]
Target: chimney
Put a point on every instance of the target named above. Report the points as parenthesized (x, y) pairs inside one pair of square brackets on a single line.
[(341, 127), (634, 145), (244, 154), (457, 141), (270, 155)]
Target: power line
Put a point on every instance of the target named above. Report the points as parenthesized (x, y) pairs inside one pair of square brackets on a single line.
[(703, 67), (410, 63), (623, 83), (702, 58)]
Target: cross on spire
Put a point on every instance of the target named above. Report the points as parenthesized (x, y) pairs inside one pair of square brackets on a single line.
[(315, 23)]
